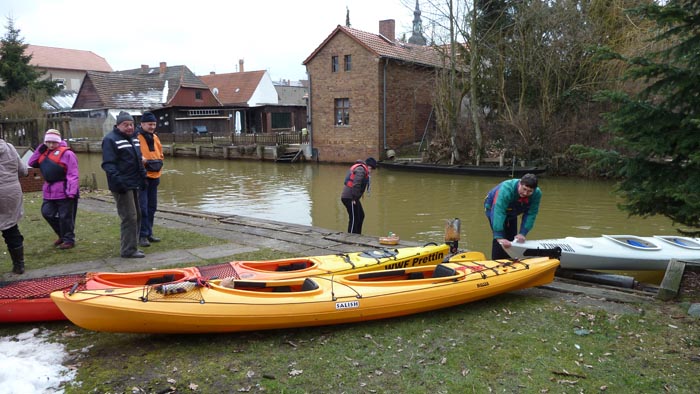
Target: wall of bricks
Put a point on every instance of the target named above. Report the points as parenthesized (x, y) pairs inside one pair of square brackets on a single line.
[(33, 182), (408, 103)]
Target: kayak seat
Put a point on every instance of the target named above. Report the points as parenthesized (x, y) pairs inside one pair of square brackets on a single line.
[(416, 275), (442, 271), (636, 243), (281, 289), (161, 279), (309, 285), (292, 267)]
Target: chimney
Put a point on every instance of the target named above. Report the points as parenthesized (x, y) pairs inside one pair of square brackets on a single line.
[(387, 28), (163, 66), (144, 68), (240, 65)]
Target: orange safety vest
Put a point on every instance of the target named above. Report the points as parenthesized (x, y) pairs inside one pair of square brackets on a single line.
[(53, 170), (350, 179)]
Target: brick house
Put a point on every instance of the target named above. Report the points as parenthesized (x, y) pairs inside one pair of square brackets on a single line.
[(368, 93)]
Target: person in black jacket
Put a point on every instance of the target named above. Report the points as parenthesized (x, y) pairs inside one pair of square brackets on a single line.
[(121, 161), (354, 186)]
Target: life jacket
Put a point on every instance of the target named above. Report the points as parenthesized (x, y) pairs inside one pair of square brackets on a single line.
[(350, 178), (53, 170)]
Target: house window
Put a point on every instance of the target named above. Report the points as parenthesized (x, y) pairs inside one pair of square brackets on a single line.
[(281, 120), (342, 112), (348, 62), (334, 64), (60, 82), (197, 94)]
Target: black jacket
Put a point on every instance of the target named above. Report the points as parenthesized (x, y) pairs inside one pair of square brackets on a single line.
[(121, 161)]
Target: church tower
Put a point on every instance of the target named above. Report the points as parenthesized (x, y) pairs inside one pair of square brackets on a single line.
[(417, 36)]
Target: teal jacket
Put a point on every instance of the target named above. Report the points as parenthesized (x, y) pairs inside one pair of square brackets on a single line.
[(503, 201)]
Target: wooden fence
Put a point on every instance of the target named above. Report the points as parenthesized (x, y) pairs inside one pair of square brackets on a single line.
[(29, 132), (216, 138)]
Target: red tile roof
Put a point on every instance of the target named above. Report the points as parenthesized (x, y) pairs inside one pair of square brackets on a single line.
[(234, 88), (382, 47), (66, 59)]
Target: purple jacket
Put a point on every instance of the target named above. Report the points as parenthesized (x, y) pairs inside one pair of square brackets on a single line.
[(62, 189)]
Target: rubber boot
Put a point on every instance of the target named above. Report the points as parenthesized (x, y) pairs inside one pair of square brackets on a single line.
[(17, 255)]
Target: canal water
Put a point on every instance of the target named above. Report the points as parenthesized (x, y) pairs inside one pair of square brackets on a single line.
[(415, 206)]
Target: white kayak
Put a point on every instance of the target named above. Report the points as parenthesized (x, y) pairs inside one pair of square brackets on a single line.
[(615, 252)]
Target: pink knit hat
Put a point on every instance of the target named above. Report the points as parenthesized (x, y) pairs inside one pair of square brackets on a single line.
[(52, 135)]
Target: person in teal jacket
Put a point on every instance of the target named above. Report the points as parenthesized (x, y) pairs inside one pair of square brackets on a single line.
[(503, 204)]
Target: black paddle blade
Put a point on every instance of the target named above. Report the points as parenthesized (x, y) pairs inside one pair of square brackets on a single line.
[(554, 253)]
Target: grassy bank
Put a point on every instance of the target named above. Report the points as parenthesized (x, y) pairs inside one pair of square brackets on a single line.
[(97, 237), (514, 343), (524, 342)]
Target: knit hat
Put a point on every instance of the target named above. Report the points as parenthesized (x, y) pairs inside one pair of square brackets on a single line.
[(148, 117), (123, 117), (52, 135), (371, 162)]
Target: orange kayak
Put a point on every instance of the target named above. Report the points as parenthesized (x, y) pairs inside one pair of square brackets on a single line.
[(231, 305)]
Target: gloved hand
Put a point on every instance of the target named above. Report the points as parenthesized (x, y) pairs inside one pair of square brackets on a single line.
[(42, 148)]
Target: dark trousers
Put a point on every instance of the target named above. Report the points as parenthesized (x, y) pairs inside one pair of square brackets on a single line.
[(60, 214), (13, 238), (148, 199), (510, 228), (130, 214), (356, 215)]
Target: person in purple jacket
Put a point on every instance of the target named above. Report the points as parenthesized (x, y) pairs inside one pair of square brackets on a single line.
[(59, 167), (503, 204)]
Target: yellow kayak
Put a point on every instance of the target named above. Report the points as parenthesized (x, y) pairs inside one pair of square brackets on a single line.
[(230, 305)]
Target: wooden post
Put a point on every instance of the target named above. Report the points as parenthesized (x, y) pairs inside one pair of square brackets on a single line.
[(671, 283)]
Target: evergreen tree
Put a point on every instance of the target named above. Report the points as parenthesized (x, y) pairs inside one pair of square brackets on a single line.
[(15, 70), (659, 127)]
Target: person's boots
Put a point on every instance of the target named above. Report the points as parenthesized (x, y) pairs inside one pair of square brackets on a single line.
[(17, 255)]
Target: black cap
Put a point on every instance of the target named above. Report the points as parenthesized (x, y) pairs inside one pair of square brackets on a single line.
[(371, 162)]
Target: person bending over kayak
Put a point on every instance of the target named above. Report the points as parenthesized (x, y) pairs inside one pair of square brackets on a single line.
[(503, 204)]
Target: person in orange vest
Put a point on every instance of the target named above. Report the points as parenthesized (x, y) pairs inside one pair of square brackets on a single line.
[(59, 167), (152, 157), (354, 186)]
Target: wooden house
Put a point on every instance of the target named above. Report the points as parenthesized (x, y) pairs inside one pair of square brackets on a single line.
[(181, 101), (262, 107), (368, 93)]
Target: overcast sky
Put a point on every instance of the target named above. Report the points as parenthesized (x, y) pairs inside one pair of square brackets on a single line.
[(204, 35)]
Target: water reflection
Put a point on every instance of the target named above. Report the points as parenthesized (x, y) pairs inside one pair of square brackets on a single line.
[(415, 206)]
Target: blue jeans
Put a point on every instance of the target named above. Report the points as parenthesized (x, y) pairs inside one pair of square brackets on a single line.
[(148, 200)]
